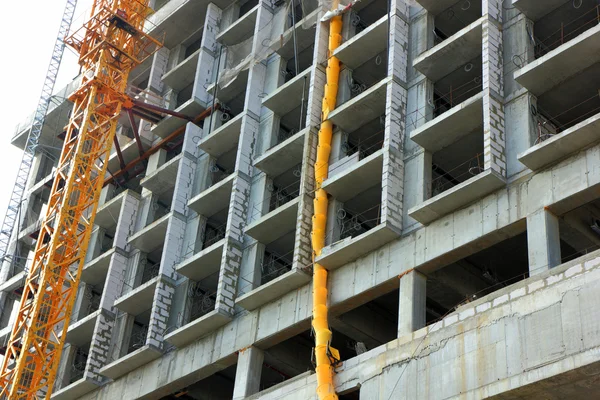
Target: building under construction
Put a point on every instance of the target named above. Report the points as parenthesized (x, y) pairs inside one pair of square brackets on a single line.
[(460, 229)]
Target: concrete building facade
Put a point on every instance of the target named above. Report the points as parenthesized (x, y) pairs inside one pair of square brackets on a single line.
[(463, 228)]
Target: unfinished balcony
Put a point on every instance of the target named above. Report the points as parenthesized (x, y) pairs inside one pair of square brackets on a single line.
[(288, 97), (452, 53), (128, 146), (567, 42), (77, 383), (85, 316), (205, 258), (305, 35), (184, 72), (200, 316), (567, 120), (277, 275), (369, 42), (243, 27), (288, 151), (138, 291), (458, 178), (151, 237), (130, 352), (224, 138), (100, 252), (17, 273), (161, 182)]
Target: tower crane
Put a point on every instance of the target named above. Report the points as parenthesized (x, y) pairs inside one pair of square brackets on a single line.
[(110, 44)]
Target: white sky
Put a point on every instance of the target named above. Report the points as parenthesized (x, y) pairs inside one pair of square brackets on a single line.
[(28, 35)]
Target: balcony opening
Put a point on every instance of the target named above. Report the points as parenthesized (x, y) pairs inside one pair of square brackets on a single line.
[(79, 362), (139, 331), (367, 326), (356, 216), (214, 229), (218, 386), (48, 157), (305, 60), (579, 231), (358, 145), (246, 7), (455, 18), (221, 167), (281, 190), (192, 45), (290, 124), (367, 75), (456, 87), (366, 16), (456, 163), (564, 24), (476, 276), (567, 105), (89, 302), (277, 258), (201, 298)]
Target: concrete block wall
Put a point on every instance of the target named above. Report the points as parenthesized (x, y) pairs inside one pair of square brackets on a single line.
[(205, 68)]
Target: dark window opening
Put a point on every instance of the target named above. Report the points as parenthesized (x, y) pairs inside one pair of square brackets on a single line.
[(455, 18)]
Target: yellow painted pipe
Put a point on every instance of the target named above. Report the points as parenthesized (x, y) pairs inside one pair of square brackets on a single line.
[(324, 369)]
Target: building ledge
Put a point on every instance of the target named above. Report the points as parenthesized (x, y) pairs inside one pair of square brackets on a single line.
[(197, 328), (457, 197), (129, 362), (139, 299), (214, 199), (275, 224), (436, 6), (304, 37), (184, 73), (355, 179), (288, 96), (12, 284), (241, 29), (452, 53), (278, 159), (536, 9), (152, 236), (563, 144), (107, 214), (450, 126), (76, 389), (560, 64), (95, 271), (130, 152), (352, 248), (234, 88), (224, 138), (204, 263), (163, 178), (274, 289), (80, 332), (169, 124), (361, 109), (364, 46)]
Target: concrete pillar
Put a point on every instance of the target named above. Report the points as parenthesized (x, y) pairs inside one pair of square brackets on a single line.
[(64, 366), (411, 310), (543, 241), (248, 371)]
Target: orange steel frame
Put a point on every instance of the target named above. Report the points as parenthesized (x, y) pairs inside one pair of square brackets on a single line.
[(110, 45)]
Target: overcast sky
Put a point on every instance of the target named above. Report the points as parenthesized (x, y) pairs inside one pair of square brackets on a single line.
[(28, 35)]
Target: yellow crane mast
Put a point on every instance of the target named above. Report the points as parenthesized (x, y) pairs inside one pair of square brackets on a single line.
[(110, 45)]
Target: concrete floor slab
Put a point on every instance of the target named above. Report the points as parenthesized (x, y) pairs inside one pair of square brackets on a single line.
[(450, 126), (197, 328), (163, 178), (152, 236), (354, 180), (352, 248), (130, 362), (138, 299), (240, 30), (214, 199), (274, 289), (184, 73), (560, 64), (459, 196), (108, 213), (278, 159), (364, 46), (275, 224), (80, 332), (436, 6), (204, 263), (562, 145), (235, 88), (94, 272), (536, 9), (169, 124), (10, 285), (224, 138), (452, 53), (361, 109), (288, 96), (75, 389)]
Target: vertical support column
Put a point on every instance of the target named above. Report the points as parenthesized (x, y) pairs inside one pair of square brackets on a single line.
[(64, 367), (411, 309), (207, 57), (248, 372), (543, 241)]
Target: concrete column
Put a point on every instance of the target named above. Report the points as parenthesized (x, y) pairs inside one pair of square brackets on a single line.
[(411, 310), (248, 371), (64, 366), (543, 241)]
